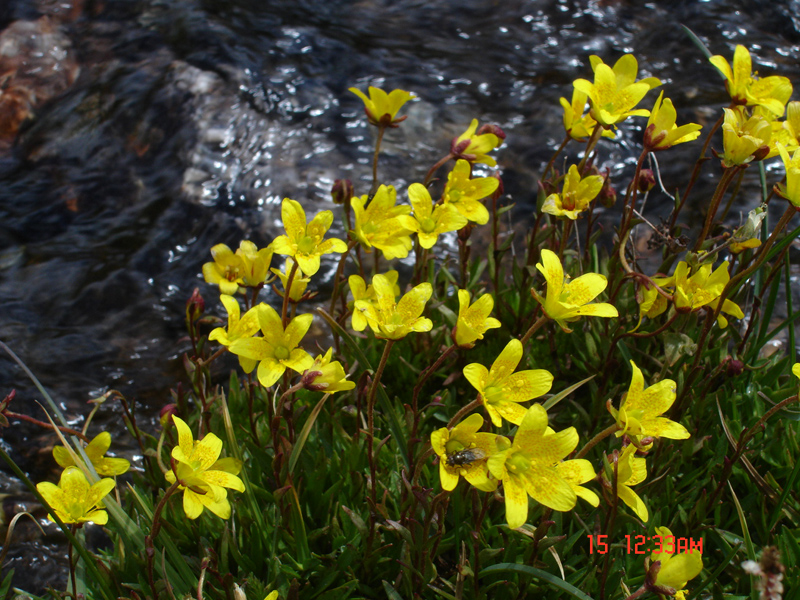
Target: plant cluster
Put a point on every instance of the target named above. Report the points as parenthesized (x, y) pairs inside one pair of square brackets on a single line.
[(622, 405)]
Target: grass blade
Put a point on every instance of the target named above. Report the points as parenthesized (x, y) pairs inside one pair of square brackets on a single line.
[(536, 574)]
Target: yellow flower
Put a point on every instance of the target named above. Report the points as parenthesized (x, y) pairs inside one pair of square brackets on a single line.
[(362, 291), (529, 467), (787, 132), (640, 408), (615, 91), (791, 189), (430, 222), (473, 321), (746, 88), (579, 126), (502, 390), (568, 301), (227, 270), (237, 328), (676, 568), (256, 262), (651, 302), (305, 242), (95, 450), (299, 281), (326, 376), (662, 132), (463, 452), (575, 196), (473, 147), (202, 474), (382, 108), (466, 194), (703, 288), (395, 320), (578, 471), (744, 138), (631, 470), (74, 500), (277, 350), (379, 224)]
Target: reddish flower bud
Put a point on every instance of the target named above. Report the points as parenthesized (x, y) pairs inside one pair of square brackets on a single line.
[(195, 306), (493, 129), (342, 191), (165, 414), (735, 368), (647, 180)]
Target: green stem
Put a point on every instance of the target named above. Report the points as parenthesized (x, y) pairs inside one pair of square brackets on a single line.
[(596, 132)]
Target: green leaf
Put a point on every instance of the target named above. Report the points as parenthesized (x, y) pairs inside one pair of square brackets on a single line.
[(537, 574), (699, 43), (556, 398), (391, 593), (301, 439)]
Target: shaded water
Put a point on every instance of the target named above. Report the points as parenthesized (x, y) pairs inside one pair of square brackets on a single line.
[(159, 128)]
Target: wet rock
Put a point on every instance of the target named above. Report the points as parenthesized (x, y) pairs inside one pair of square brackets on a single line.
[(36, 64)]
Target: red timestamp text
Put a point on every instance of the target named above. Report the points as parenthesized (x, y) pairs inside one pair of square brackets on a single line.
[(642, 544)]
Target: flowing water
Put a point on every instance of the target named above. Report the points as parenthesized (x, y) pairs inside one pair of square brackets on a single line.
[(134, 135)]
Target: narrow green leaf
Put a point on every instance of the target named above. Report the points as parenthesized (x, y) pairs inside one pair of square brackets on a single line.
[(556, 398), (537, 574), (301, 439), (748, 542), (699, 43), (391, 593)]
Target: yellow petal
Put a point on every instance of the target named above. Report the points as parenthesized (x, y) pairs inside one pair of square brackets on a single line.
[(548, 488), (206, 452), (192, 505), (269, 371), (185, 438), (294, 219), (629, 497), (516, 501)]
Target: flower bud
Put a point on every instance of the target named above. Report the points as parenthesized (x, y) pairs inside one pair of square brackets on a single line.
[(735, 368), (165, 414), (493, 129), (195, 306), (647, 180), (342, 191)]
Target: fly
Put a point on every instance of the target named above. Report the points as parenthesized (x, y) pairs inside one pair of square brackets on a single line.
[(465, 457)]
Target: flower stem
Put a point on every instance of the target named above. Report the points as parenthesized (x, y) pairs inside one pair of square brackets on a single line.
[(374, 188), (722, 186), (150, 551), (371, 420), (596, 132), (597, 439), (533, 329), (286, 293), (465, 410), (432, 171), (74, 530), (14, 415)]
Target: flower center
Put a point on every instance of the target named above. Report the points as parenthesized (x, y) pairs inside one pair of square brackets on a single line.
[(281, 352), (518, 463), (453, 446), (427, 225), (306, 244), (455, 195)]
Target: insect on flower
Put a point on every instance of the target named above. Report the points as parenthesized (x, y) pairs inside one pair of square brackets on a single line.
[(465, 457)]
